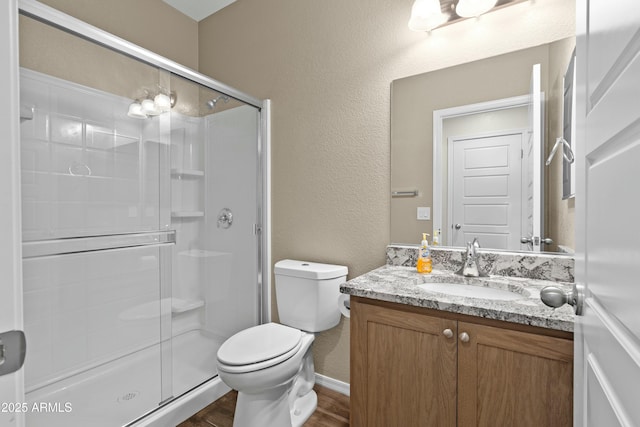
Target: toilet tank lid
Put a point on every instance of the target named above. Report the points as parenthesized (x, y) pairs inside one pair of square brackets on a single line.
[(309, 270)]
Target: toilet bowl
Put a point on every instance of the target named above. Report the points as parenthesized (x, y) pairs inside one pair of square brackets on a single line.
[(264, 377), (271, 365)]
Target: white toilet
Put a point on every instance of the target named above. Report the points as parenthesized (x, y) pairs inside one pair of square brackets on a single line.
[(271, 365)]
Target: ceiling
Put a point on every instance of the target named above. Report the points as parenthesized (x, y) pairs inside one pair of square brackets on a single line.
[(198, 9)]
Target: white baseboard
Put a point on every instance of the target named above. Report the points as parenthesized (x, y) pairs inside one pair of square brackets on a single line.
[(333, 384)]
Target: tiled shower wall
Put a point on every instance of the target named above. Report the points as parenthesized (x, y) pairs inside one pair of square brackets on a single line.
[(87, 170)]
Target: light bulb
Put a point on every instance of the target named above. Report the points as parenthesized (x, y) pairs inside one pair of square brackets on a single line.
[(162, 102), (135, 111), (149, 108), (426, 15)]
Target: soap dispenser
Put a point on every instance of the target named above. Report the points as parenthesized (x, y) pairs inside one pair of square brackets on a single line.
[(436, 237), (424, 264)]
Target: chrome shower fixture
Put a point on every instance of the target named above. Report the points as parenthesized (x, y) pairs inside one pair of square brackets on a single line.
[(212, 102)]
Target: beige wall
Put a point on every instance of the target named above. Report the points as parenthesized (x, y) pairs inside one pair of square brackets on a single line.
[(49, 50), (328, 65), (55, 52), (152, 24)]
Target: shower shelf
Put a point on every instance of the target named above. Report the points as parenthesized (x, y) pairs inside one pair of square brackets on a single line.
[(202, 253), (179, 305), (153, 309), (187, 214), (187, 172)]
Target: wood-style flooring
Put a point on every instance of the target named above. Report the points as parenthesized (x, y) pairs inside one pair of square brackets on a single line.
[(333, 411)]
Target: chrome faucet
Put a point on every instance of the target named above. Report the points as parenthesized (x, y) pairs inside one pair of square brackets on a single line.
[(470, 267)]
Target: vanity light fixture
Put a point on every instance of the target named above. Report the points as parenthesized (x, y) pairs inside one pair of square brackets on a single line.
[(161, 103), (426, 15), (474, 8)]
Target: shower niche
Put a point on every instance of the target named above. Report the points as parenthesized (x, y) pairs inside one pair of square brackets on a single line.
[(187, 168), (130, 285)]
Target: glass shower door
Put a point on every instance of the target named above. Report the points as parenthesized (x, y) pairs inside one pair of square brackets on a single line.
[(96, 236), (214, 210), (141, 202)]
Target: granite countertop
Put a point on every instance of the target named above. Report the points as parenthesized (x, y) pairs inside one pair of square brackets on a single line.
[(400, 285)]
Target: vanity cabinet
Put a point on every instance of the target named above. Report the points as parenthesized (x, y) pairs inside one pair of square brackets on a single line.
[(412, 366)]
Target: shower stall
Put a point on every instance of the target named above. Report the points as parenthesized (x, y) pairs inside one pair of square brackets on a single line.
[(143, 212)]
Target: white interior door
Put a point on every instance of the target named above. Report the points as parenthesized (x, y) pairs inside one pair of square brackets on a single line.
[(485, 190), (607, 336), (533, 166), (11, 385)]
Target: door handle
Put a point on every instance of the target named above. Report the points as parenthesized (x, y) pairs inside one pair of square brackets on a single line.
[(13, 349), (556, 297), (543, 241), (458, 226)]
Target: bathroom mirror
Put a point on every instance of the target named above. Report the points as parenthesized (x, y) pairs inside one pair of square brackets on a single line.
[(491, 81)]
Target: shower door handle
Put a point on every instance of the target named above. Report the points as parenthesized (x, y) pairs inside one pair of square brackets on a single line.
[(13, 349)]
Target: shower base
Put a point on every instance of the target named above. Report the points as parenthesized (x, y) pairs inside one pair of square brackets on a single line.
[(123, 390)]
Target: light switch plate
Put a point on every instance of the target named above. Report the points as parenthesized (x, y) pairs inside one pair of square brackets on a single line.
[(424, 214)]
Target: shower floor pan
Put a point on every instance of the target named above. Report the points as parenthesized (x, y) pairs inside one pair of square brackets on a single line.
[(121, 391)]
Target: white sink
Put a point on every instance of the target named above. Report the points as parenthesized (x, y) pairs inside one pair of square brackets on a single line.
[(471, 291)]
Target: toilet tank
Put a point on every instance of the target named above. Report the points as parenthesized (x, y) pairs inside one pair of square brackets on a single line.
[(307, 294)]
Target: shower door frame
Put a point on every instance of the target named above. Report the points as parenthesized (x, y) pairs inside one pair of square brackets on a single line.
[(11, 314), (11, 385)]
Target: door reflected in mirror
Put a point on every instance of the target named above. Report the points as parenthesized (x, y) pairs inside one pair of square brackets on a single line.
[(462, 145)]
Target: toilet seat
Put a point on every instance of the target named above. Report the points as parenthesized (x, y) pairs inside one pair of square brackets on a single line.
[(259, 347)]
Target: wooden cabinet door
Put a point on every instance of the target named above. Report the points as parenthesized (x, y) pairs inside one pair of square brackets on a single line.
[(403, 368), (512, 378)]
